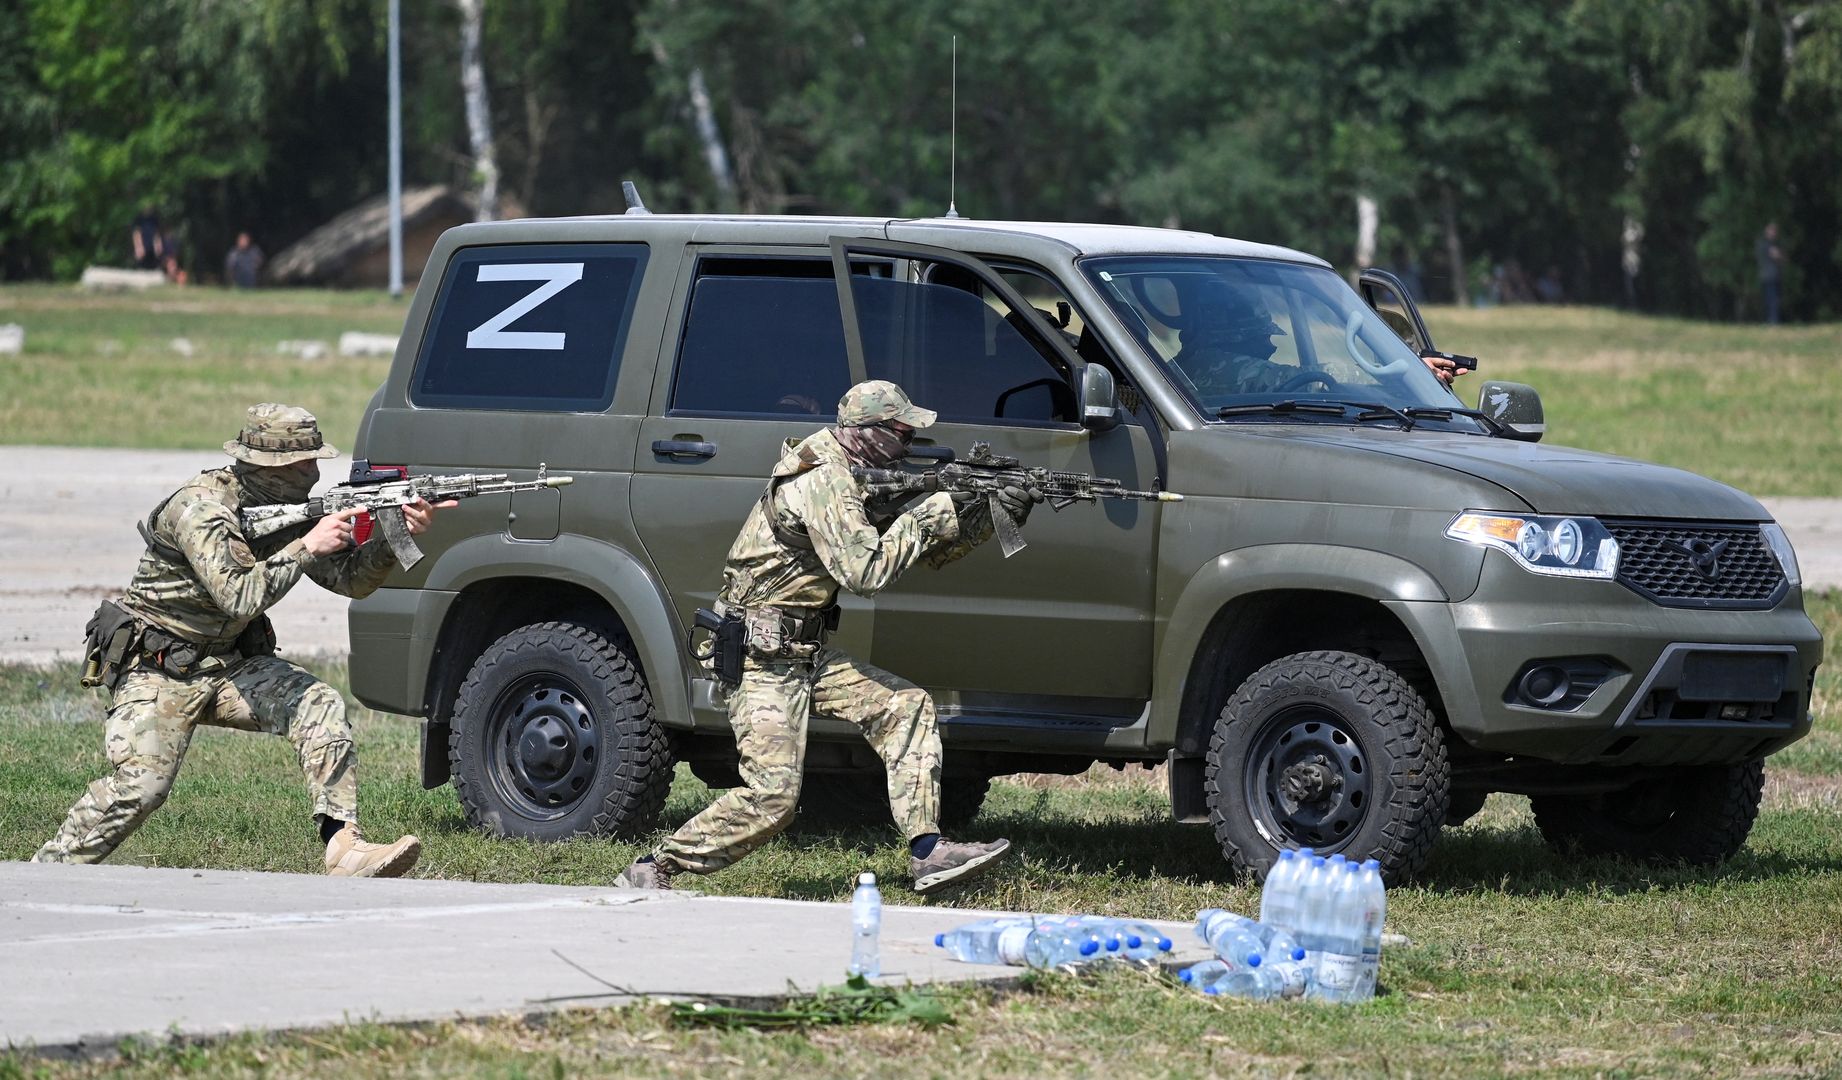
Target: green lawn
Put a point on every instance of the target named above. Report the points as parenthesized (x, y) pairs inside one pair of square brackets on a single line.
[(1523, 960), (1757, 407), (103, 370)]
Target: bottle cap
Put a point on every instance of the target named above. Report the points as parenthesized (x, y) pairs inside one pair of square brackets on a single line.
[(940, 940), (1164, 944), (1210, 990), (1186, 975), (1306, 853), (866, 878), (1338, 858), (1133, 941), (1371, 864), (1089, 947), (1112, 944), (1298, 953), (1287, 853), (1253, 959)]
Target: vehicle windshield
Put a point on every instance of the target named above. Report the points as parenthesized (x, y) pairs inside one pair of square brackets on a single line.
[(1241, 335)]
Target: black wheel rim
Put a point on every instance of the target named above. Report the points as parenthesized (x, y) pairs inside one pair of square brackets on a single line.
[(1307, 781), (543, 747)]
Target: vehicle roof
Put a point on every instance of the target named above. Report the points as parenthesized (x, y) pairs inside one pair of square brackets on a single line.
[(1079, 238)]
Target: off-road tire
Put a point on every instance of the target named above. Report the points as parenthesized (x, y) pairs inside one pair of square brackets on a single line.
[(1377, 732), (1699, 815), (568, 691), (862, 799)]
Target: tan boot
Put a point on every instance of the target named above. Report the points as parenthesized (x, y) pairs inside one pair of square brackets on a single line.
[(349, 855)]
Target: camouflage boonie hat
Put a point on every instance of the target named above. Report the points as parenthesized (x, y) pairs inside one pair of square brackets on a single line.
[(878, 400), (278, 435)]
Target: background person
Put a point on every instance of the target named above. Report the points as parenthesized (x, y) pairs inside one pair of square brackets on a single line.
[(188, 644), (243, 263)]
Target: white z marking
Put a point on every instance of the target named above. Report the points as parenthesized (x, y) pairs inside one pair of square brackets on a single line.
[(492, 334)]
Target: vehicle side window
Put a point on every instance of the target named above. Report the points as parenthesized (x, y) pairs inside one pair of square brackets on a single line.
[(958, 350), (529, 326), (768, 341)]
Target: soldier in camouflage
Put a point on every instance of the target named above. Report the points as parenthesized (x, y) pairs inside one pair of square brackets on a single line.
[(807, 537), (192, 646), (1227, 344)]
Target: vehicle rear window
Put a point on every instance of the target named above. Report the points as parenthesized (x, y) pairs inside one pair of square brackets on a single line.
[(761, 344), (529, 326)]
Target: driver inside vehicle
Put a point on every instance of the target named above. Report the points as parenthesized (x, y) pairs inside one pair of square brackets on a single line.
[(1227, 342)]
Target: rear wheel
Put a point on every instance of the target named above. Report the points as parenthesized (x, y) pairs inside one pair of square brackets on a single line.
[(1698, 815), (1328, 750), (554, 737)]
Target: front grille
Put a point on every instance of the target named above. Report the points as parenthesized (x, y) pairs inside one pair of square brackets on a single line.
[(1652, 563)]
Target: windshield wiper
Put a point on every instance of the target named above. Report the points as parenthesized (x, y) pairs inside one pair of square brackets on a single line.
[(1440, 412), (1318, 408), (1375, 410)]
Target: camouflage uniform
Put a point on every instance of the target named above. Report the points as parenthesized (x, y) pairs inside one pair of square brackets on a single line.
[(1227, 343), (201, 581), (814, 493)]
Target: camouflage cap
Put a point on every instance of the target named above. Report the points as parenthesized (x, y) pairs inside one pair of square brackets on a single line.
[(877, 400), (278, 435)]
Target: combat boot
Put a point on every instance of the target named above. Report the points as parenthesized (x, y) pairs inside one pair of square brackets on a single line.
[(953, 863), (350, 855), (645, 873)]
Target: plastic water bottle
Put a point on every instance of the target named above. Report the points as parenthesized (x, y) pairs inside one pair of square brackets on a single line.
[(1339, 966), (1249, 981), (1232, 936), (1313, 899), (1048, 946), (866, 927), (1372, 908), (1279, 896), (1144, 941), (1276, 942), (977, 943)]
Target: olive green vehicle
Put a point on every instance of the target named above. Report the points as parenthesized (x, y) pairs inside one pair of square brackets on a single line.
[(1372, 607)]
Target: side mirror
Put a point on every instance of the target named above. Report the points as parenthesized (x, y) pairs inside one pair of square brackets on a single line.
[(1099, 399), (1517, 407)]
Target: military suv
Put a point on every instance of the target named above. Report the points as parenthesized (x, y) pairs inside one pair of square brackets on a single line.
[(1372, 608)]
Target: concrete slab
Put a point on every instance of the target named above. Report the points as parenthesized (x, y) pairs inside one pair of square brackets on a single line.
[(96, 953)]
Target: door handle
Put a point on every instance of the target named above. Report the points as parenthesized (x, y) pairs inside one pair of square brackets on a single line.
[(933, 453), (683, 448)]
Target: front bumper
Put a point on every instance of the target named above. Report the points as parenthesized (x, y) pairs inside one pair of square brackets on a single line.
[(1676, 686)]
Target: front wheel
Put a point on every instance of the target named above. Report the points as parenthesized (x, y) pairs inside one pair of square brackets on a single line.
[(554, 737), (1699, 815), (1328, 750)]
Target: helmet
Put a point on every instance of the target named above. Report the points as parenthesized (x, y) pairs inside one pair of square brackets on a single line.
[(1218, 311)]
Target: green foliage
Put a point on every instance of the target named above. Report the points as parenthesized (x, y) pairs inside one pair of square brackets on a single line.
[(858, 1001), (1487, 131)]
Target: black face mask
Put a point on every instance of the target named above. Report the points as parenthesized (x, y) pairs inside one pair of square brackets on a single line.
[(875, 446), (271, 485)]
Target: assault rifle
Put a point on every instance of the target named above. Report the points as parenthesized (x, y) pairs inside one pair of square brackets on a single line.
[(384, 494), (985, 473)]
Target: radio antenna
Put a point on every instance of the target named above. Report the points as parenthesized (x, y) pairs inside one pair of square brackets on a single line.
[(953, 139)]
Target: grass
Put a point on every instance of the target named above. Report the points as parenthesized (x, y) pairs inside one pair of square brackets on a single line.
[(1756, 407), (1523, 960), (105, 369)]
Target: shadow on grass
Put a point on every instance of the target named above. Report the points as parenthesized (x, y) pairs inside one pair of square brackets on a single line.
[(1519, 862)]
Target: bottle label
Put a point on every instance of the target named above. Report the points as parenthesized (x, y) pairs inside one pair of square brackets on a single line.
[(1011, 943), (1338, 972)]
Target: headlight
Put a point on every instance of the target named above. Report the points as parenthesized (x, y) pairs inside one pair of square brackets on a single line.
[(1558, 546), (1781, 547)]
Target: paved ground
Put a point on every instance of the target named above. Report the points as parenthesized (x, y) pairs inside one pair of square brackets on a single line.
[(67, 541), (93, 953)]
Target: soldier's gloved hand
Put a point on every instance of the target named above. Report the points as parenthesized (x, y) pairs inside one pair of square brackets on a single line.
[(964, 500), (1017, 499)]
